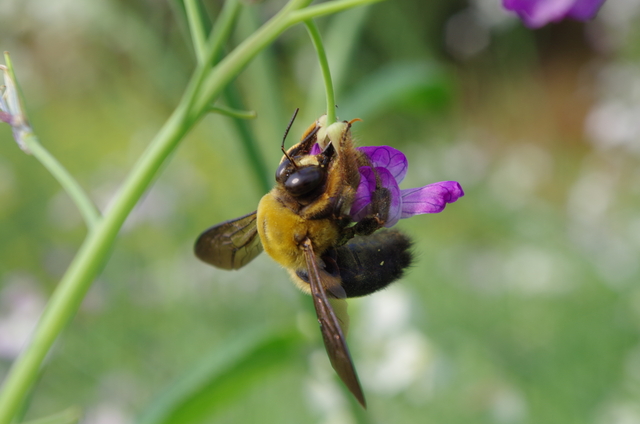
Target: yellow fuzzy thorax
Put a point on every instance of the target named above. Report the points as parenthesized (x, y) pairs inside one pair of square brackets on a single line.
[(282, 230)]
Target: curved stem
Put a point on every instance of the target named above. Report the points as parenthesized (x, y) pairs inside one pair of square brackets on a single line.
[(230, 66), (86, 207), (326, 8), (316, 39), (30, 144), (221, 31), (233, 113)]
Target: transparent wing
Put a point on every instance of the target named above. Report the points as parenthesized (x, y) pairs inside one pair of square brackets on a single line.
[(334, 340), (230, 244)]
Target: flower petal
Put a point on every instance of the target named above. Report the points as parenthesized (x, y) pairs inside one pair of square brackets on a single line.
[(584, 10), (431, 198), (387, 157), (388, 181), (537, 13), (367, 184), (366, 193), (315, 150)]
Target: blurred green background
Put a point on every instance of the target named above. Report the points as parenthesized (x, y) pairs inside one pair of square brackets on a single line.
[(523, 305)]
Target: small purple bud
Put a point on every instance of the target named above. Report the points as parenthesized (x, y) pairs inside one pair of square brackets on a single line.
[(537, 13)]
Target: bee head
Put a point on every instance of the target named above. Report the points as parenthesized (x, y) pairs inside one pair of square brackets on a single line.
[(302, 175)]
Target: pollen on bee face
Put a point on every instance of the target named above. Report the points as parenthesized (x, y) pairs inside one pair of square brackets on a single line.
[(308, 161)]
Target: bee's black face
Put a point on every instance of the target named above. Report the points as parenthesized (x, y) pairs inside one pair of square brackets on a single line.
[(305, 180), (300, 181)]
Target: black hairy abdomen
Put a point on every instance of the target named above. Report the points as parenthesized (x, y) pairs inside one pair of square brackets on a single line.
[(370, 263)]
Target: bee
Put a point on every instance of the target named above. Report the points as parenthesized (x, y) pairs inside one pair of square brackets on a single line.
[(304, 224)]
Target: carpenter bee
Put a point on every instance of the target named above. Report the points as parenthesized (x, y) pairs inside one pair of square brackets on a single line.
[(304, 224)]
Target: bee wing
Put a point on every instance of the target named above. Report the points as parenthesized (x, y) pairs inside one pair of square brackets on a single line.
[(231, 244), (334, 340)]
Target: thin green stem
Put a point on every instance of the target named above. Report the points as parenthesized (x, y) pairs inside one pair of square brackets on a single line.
[(290, 15), (222, 31), (84, 204), (316, 39), (196, 28), (327, 8), (230, 66), (339, 39), (233, 113), (261, 86), (31, 145), (215, 43)]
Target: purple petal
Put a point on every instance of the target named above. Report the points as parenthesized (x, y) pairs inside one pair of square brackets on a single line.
[(315, 150), (584, 10), (362, 204), (537, 13), (367, 184), (387, 157), (431, 198), (388, 181)]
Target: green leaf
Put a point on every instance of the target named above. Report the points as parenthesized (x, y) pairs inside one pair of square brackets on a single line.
[(223, 376), (416, 85)]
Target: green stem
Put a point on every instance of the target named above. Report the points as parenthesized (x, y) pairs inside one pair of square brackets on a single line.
[(87, 208), (196, 28), (215, 43), (230, 66), (222, 31), (69, 184), (340, 39), (326, 8), (316, 39), (290, 15), (233, 113)]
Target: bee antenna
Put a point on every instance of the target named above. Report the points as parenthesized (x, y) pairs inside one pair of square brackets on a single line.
[(293, 118)]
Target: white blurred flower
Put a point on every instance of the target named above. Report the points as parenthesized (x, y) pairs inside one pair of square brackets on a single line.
[(20, 308)]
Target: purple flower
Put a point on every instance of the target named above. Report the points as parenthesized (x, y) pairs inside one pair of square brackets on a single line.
[(391, 166), (537, 13)]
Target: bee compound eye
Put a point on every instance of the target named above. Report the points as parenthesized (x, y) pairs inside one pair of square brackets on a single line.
[(304, 180), (283, 171)]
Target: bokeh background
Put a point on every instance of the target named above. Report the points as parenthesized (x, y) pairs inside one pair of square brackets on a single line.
[(523, 305)]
